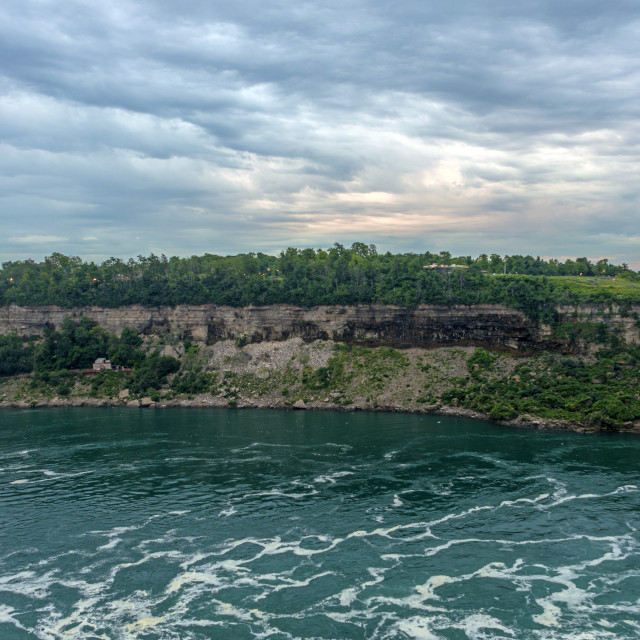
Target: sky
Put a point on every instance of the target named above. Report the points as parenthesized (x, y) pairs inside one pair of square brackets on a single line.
[(209, 126)]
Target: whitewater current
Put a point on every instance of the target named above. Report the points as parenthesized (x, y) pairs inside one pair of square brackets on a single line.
[(197, 524)]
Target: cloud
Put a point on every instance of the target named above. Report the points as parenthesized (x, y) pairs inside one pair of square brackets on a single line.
[(35, 239), (224, 127)]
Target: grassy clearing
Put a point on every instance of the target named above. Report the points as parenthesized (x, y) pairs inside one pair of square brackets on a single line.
[(585, 285)]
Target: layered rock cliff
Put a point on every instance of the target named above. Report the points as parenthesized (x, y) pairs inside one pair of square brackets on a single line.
[(426, 326), (493, 326)]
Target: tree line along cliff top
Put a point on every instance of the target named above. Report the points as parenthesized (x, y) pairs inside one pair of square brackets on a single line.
[(312, 277)]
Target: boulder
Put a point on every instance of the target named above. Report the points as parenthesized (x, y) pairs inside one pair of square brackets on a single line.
[(123, 394), (168, 350), (300, 404)]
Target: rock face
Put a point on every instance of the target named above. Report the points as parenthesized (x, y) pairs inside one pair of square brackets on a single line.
[(494, 326)]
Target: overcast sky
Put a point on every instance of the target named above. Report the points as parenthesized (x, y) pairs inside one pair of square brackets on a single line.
[(130, 127)]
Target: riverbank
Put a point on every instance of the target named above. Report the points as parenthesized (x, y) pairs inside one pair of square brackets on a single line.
[(206, 401), (547, 390)]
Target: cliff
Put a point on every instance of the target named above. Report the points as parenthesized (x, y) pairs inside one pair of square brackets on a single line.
[(492, 326), (290, 357)]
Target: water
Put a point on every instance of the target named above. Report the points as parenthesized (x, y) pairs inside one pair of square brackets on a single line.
[(197, 524)]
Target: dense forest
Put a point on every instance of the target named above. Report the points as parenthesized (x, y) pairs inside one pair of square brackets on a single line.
[(310, 277)]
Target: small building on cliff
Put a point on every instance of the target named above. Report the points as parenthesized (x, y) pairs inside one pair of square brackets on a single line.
[(101, 364)]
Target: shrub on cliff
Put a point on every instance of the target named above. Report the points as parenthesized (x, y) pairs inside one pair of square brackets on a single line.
[(75, 346), (152, 373), (502, 411), (126, 351), (15, 356)]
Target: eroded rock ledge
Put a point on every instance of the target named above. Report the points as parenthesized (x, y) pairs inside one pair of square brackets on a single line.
[(493, 326)]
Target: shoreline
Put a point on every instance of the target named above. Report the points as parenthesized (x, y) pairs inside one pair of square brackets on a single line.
[(295, 375), (208, 402)]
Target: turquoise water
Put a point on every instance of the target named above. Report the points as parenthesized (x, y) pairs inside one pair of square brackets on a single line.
[(185, 524)]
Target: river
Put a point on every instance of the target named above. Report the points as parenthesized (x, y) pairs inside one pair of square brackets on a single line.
[(195, 524)]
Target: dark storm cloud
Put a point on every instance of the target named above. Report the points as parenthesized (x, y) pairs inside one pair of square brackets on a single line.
[(215, 126)]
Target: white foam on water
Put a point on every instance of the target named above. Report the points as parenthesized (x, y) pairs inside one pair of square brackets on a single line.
[(116, 531), (268, 547), (279, 493), (277, 547), (396, 501), (550, 616), (518, 501), (71, 625), (225, 513), (343, 617), (347, 596), (196, 557), (332, 477), (193, 577), (19, 467), (605, 623), (562, 496), (262, 445), (432, 551), (6, 616), (111, 544), (498, 570), (461, 514), (145, 623), (635, 624), (119, 532), (386, 533), (296, 584), (418, 628), (474, 624), (427, 590), (625, 488), (28, 583), (48, 475), (70, 474), (245, 615)]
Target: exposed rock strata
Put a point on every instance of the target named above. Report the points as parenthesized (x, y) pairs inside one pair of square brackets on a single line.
[(626, 322), (493, 326)]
